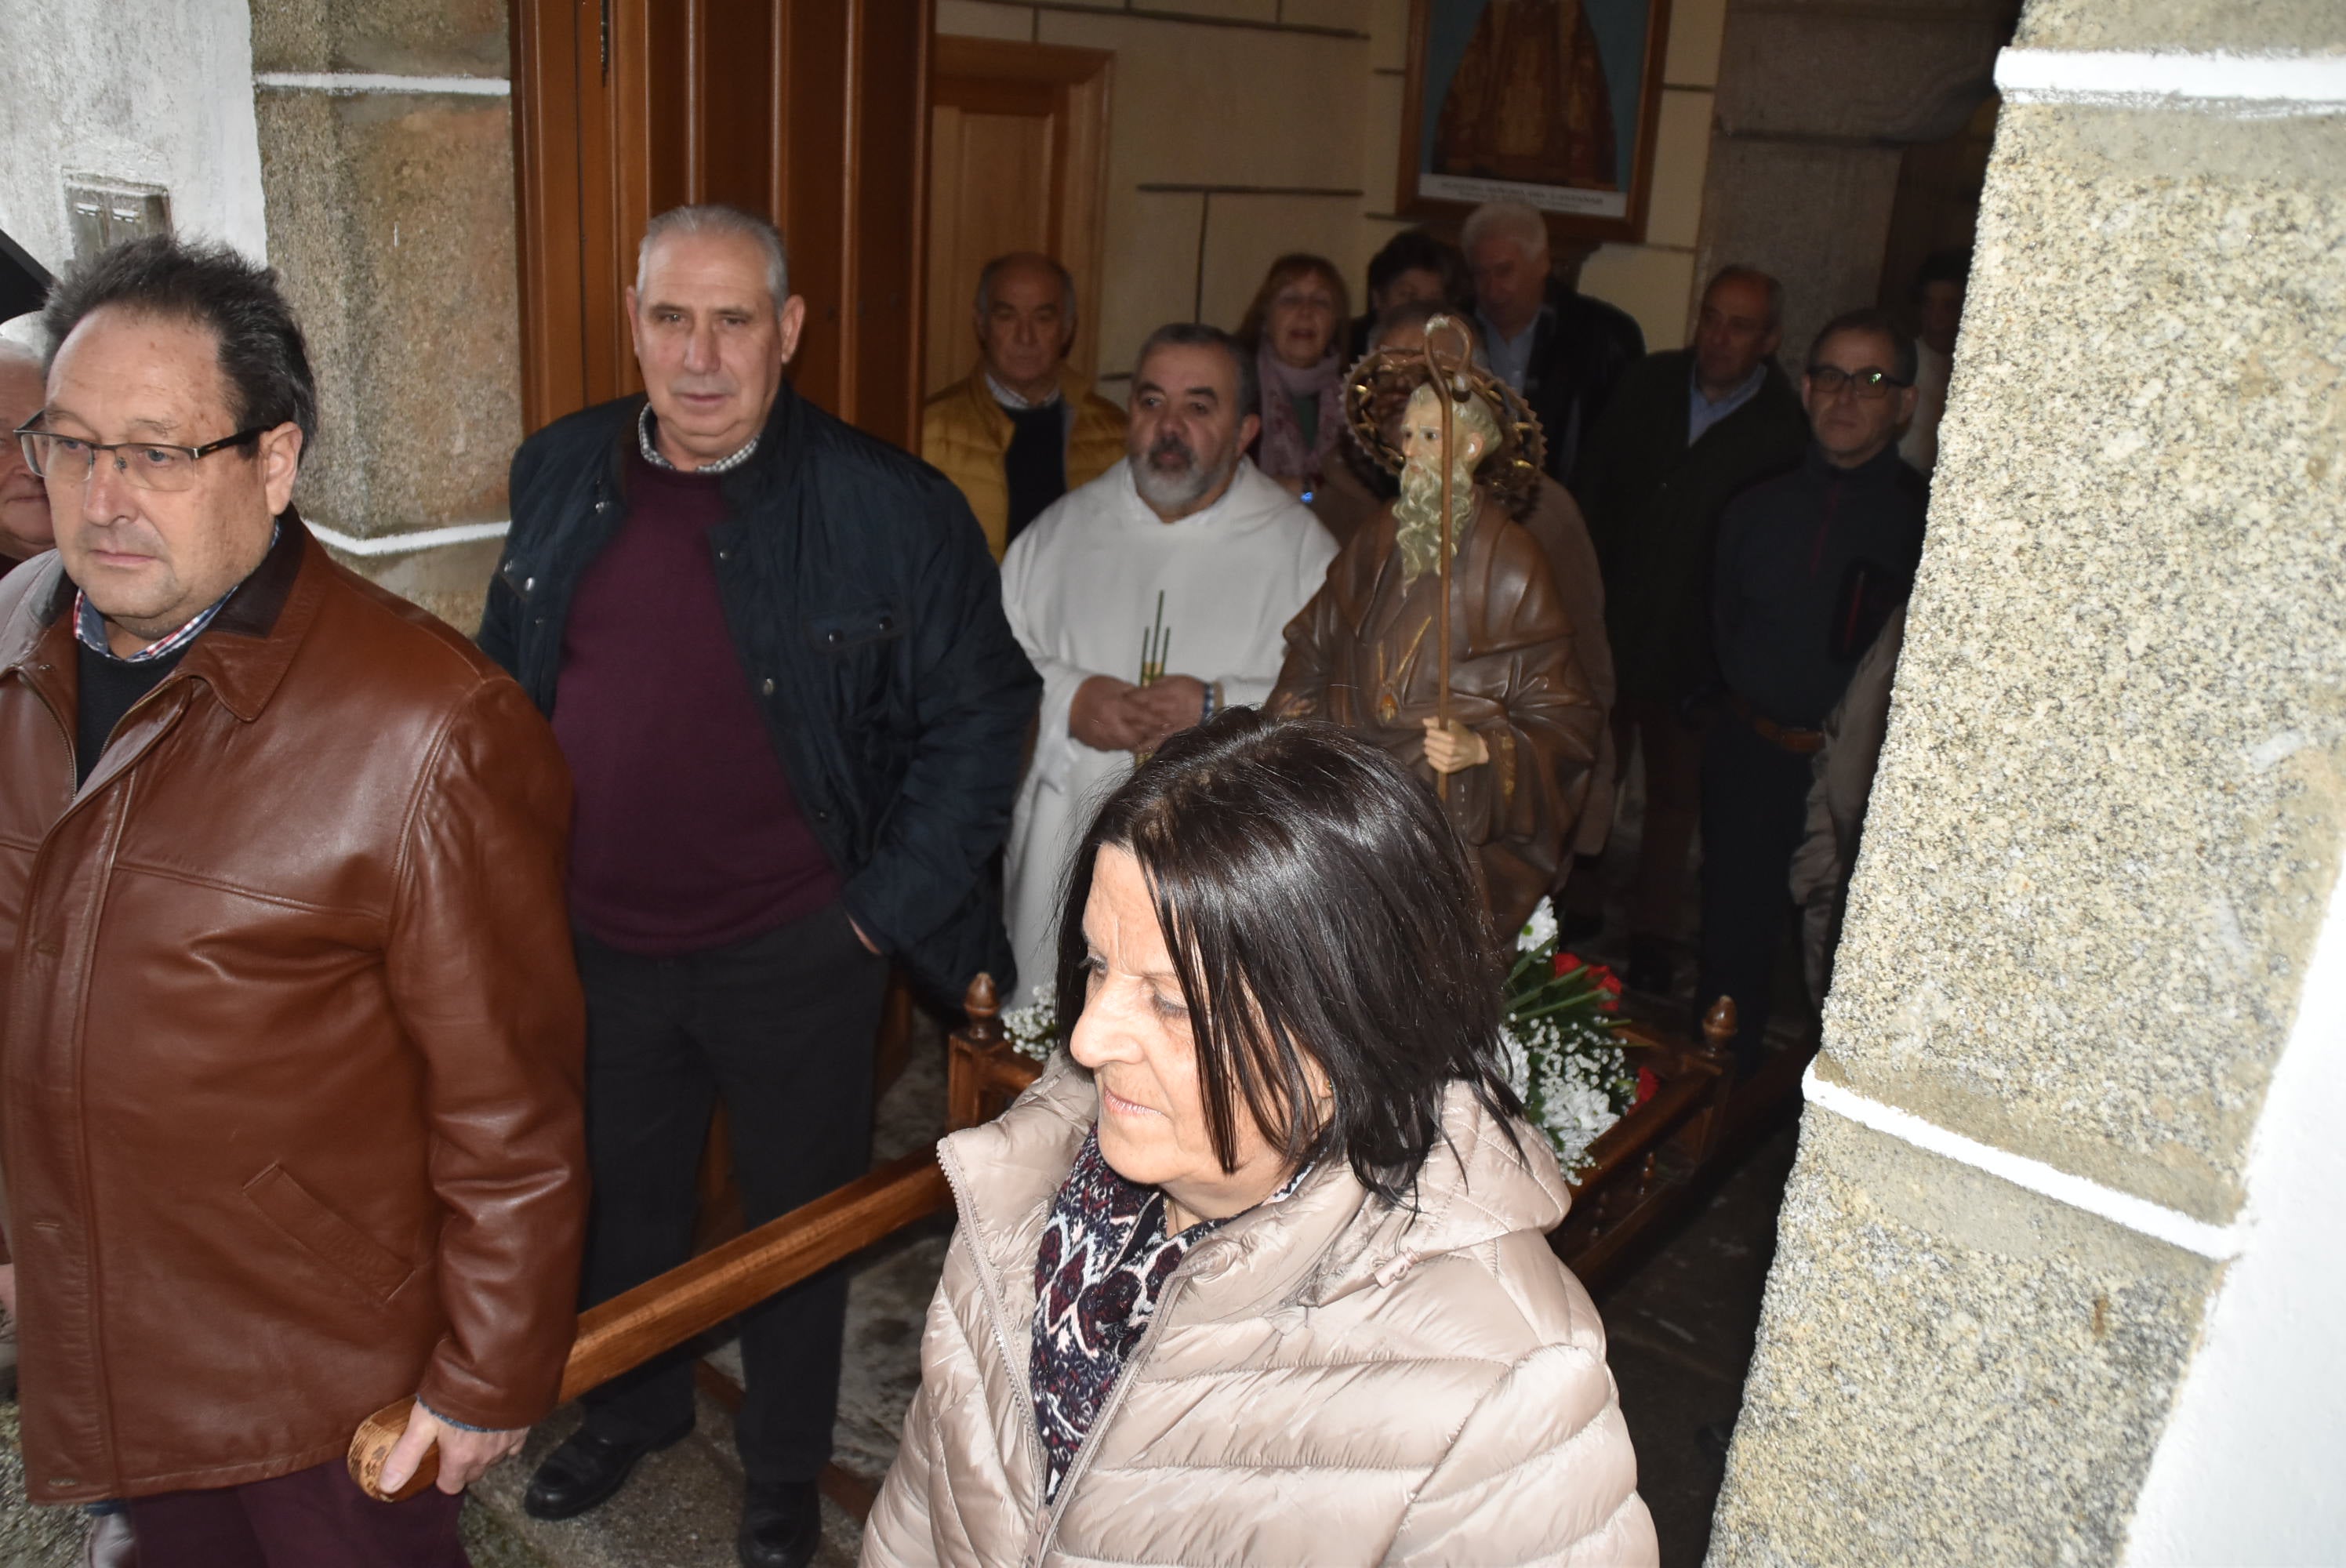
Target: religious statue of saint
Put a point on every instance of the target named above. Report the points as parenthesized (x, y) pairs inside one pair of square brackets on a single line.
[(1529, 101), (1512, 758)]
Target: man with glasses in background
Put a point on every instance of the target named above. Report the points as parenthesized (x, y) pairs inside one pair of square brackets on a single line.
[(24, 530), (1808, 568), (291, 1035)]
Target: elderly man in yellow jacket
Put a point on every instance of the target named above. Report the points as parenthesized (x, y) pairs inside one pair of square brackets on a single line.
[(1025, 428)]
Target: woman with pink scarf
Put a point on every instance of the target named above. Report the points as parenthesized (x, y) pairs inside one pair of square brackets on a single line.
[(1292, 329)]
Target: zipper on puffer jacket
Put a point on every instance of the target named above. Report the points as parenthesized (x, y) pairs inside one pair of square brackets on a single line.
[(1046, 1525), (1133, 1363)]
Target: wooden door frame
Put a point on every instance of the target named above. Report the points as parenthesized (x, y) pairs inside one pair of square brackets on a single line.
[(1085, 77), (583, 195)]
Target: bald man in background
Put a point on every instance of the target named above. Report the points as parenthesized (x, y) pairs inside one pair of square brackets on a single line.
[(24, 530), (1025, 427)]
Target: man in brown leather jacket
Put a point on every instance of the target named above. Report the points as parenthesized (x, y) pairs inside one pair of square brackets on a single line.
[(290, 1032)]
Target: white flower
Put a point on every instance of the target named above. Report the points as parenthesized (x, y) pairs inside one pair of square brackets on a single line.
[(1033, 1030), (1516, 1064), (1539, 931)]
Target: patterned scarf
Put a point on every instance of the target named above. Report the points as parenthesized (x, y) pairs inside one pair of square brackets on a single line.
[(1282, 453), (1102, 1268)]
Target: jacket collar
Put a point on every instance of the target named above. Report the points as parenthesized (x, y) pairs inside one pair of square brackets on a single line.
[(1881, 468), (745, 488), (1073, 388), (780, 451), (36, 597), (244, 655), (1327, 1240)]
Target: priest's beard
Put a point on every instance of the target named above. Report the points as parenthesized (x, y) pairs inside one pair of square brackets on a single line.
[(1417, 516), (1170, 478)]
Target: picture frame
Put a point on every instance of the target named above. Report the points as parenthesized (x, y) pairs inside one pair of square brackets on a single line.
[(1571, 132)]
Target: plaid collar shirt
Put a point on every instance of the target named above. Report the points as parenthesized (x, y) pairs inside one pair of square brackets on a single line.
[(650, 449)]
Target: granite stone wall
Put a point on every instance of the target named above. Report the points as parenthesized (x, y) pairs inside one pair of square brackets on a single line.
[(2107, 823), (386, 153)]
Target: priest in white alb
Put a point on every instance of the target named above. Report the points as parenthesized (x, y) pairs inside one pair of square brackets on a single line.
[(1148, 599)]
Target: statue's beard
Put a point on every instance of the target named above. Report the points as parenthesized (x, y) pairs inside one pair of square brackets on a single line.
[(1417, 516)]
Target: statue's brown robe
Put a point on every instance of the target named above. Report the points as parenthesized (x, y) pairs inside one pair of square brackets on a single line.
[(1362, 654)]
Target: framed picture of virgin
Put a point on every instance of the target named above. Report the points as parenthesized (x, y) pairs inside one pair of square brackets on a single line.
[(1548, 102)]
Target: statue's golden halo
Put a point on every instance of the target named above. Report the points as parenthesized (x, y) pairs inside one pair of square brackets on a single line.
[(1379, 385)]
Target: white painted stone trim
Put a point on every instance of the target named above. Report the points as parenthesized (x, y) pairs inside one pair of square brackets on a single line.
[(372, 82), (2220, 1242), (405, 544), (2251, 85)]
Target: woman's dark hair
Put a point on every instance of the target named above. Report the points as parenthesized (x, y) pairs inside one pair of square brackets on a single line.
[(1295, 264), (1417, 250), (261, 354), (1319, 909)]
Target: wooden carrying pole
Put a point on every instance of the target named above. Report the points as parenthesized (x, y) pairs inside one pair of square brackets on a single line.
[(1440, 379), (632, 1327)]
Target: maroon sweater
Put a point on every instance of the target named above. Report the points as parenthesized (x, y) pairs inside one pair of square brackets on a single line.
[(687, 836)]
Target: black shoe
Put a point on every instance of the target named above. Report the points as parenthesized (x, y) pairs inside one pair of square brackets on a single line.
[(584, 1472), (781, 1526), (1650, 969)]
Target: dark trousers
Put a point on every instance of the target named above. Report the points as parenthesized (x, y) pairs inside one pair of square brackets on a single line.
[(1673, 749), (314, 1518), (1754, 802), (781, 1026)]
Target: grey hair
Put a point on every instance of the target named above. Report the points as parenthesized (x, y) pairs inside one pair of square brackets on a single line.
[(1513, 221), (721, 218), (992, 272), (1741, 272), (1199, 335)]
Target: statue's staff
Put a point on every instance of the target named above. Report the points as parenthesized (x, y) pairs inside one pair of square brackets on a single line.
[(1450, 388)]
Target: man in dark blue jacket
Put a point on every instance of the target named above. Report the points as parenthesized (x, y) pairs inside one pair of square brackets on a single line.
[(773, 652), (1808, 568)]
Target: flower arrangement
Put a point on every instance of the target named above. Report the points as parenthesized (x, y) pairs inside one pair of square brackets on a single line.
[(1559, 1046)]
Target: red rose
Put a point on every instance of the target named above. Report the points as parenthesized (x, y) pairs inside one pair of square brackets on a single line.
[(1605, 981), (1646, 1085), (1565, 962)]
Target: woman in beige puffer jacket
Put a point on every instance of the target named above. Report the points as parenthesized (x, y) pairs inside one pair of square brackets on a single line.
[(1328, 1375)]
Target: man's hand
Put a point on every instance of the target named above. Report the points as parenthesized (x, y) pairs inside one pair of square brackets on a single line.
[(1167, 706), (1455, 749), (1103, 717), (464, 1456)]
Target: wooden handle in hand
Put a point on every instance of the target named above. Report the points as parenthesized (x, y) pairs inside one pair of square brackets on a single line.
[(372, 1444), (636, 1325)]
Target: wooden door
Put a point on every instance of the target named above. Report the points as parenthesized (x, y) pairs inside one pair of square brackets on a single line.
[(812, 112), (1018, 152), (1937, 205)]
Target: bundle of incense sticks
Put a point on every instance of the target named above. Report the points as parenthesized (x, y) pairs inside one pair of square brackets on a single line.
[(1154, 641)]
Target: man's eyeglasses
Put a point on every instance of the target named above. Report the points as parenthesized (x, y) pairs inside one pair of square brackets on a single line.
[(66, 462), (1869, 384)]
